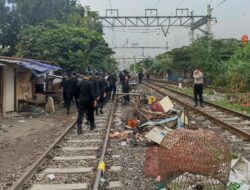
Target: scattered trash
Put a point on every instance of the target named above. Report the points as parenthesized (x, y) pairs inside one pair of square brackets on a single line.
[(120, 135), (157, 134), (118, 122), (164, 105), (51, 176), (158, 179), (133, 123), (193, 122), (151, 100), (132, 116), (151, 169), (184, 118), (21, 121), (51, 105), (123, 143), (152, 123), (239, 178)]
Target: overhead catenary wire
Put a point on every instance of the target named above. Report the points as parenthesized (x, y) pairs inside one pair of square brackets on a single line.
[(157, 3), (80, 3), (110, 4), (221, 2)]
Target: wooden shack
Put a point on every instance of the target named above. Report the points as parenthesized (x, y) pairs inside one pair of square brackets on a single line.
[(17, 81)]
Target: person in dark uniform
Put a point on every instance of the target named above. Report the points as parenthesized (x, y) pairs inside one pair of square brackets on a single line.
[(121, 76), (97, 85), (64, 85), (86, 102), (71, 90), (103, 89), (148, 76), (125, 86), (108, 93), (112, 79), (140, 76)]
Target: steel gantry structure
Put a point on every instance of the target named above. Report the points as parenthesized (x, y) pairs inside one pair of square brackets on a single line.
[(182, 18)]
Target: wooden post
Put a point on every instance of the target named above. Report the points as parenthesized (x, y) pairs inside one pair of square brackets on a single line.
[(4, 90)]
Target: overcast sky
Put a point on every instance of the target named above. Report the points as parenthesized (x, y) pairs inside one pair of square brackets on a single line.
[(233, 18)]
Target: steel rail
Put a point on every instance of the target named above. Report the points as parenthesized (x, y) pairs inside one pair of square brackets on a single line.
[(31, 171), (104, 149), (238, 132), (245, 116), (223, 90)]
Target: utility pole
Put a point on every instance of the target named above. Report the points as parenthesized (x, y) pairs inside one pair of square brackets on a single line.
[(134, 63), (192, 29), (209, 21), (86, 8)]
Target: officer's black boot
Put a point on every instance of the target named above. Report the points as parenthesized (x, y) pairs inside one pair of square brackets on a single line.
[(87, 122), (92, 127), (101, 112), (79, 129)]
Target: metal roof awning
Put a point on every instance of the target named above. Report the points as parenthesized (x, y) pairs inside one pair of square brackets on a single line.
[(37, 67)]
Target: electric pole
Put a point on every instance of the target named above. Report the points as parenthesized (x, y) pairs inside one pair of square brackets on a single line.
[(192, 29), (209, 24)]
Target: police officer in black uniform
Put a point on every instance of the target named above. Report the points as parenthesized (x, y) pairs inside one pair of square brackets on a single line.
[(112, 79), (71, 90), (97, 85), (103, 89), (125, 86), (64, 85), (86, 102)]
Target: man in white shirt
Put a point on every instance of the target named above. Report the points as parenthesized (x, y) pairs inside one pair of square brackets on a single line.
[(198, 87)]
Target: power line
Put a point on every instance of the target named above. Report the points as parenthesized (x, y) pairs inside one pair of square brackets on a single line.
[(157, 3), (221, 2), (80, 3), (110, 4)]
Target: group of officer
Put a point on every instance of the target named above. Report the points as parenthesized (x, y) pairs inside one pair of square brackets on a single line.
[(90, 93)]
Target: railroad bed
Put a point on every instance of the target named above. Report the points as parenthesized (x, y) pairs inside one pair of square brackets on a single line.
[(233, 126), (72, 161)]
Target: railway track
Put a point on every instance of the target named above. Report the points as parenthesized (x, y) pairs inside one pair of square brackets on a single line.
[(76, 162), (232, 126), (72, 162), (238, 123), (221, 90)]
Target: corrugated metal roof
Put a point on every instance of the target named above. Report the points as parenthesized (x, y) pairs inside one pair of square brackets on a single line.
[(37, 67)]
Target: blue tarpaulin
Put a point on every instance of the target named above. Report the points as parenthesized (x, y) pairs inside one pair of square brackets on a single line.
[(37, 67)]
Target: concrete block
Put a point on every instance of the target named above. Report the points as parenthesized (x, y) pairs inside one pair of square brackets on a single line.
[(114, 184), (63, 158), (76, 186), (67, 170)]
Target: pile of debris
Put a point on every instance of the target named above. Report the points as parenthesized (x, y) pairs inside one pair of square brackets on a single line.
[(180, 157)]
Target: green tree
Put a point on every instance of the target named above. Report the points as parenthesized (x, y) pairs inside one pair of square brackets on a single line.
[(238, 69), (18, 14), (181, 60), (33, 12), (73, 47)]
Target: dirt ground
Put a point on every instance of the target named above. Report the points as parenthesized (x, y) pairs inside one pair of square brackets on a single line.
[(23, 139)]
